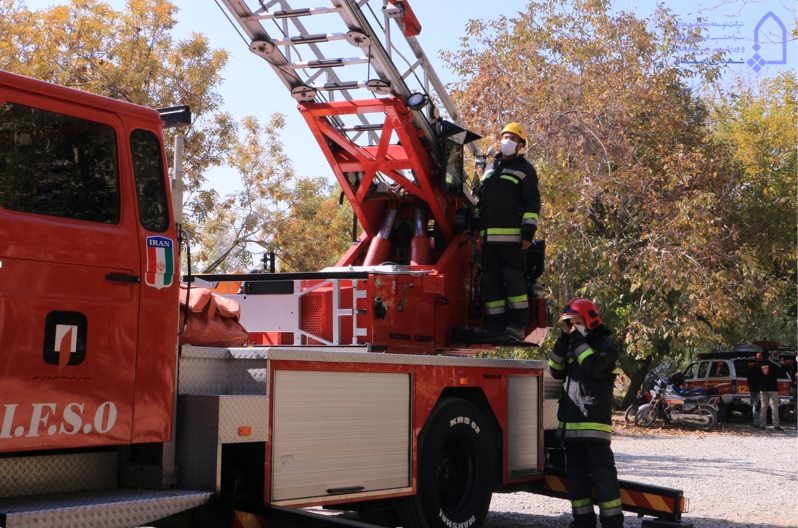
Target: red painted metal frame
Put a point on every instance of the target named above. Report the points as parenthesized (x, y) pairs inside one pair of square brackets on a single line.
[(345, 156)]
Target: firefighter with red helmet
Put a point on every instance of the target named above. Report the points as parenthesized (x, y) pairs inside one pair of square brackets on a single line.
[(585, 357), (508, 209)]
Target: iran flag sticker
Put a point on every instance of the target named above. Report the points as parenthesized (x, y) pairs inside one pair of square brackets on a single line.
[(160, 262)]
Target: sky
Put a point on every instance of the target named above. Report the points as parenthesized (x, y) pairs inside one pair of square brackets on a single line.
[(252, 88)]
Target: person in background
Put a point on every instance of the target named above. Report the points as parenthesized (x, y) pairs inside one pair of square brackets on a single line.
[(766, 377), (585, 357), (508, 209), (753, 390)]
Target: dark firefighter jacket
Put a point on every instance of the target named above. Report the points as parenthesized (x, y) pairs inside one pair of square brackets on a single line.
[(587, 364), (509, 201), (765, 377)]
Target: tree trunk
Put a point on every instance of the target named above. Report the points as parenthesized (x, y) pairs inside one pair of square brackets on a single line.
[(636, 377)]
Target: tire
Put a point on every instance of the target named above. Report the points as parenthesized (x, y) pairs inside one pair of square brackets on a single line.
[(630, 413), (646, 415), (724, 415), (712, 419), (455, 469)]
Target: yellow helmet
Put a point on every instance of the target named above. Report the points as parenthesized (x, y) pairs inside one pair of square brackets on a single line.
[(517, 129)]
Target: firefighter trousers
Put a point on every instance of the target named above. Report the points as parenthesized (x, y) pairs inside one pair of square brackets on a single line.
[(504, 284), (592, 478)]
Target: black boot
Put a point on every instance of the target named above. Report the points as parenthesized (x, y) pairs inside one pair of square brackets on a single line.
[(495, 323), (585, 520), (517, 321), (616, 521)]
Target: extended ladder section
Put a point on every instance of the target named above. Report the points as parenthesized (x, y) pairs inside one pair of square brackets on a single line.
[(371, 99)]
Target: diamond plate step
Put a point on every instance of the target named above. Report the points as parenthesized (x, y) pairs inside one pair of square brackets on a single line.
[(115, 508)]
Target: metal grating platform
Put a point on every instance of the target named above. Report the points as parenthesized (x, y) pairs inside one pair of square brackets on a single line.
[(115, 508)]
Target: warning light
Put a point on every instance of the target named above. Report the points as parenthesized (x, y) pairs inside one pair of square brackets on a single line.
[(245, 430), (463, 379)]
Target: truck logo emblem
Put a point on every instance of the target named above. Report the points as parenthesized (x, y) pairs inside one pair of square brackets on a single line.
[(65, 338), (160, 262)]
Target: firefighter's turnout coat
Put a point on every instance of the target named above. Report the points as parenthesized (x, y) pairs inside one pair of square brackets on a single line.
[(587, 364), (509, 201), (588, 367)]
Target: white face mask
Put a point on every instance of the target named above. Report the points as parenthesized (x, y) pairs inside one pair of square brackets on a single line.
[(581, 329), (508, 147)]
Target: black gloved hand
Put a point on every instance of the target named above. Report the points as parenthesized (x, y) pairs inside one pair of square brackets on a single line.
[(576, 340)]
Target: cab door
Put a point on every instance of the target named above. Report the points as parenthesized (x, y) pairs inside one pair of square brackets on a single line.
[(69, 274), (157, 334), (701, 376), (696, 375), (719, 377)]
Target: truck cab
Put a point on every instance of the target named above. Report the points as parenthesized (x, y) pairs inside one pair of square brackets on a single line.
[(88, 290)]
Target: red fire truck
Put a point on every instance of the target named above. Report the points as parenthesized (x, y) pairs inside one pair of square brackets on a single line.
[(354, 392)]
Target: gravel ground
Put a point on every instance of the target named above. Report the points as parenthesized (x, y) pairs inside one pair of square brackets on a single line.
[(733, 477)]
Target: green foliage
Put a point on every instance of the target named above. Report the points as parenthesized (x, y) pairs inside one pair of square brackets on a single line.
[(644, 209), (297, 218), (756, 123)]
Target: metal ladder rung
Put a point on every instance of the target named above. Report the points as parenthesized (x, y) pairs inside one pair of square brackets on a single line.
[(333, 86), (363, 128), (325, 63), (309, 39), (294, 13)]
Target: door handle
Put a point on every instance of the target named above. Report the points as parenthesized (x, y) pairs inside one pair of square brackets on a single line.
[(121, 277)]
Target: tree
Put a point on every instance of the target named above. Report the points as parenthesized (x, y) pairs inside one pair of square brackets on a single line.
[(131, 55), (637, 208), (756, 123), (297, 218), (128, 55)]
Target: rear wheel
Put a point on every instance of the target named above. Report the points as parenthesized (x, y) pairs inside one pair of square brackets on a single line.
[(630, 413), (646, 416), (723, 412), (455, 470), (709, 419)]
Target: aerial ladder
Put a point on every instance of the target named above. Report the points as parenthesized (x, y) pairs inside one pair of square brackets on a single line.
[(395, 142)]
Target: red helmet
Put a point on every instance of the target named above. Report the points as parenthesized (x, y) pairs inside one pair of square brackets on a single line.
[(584, 308), (759, 355)]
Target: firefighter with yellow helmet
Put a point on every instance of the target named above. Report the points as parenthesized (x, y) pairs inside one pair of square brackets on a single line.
[(508, 209)]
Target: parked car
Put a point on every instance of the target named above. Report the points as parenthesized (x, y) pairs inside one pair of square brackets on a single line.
[(729, 377)]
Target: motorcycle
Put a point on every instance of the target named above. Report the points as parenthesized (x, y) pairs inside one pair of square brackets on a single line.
[(645, 397), (689, 411)]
